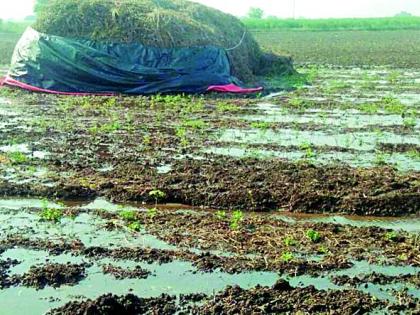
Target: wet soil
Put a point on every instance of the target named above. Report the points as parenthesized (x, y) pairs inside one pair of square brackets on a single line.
[(339, 148), (121, 273), (376, 278), (117, 305), (257, 243), (281, 298), (54, 275)]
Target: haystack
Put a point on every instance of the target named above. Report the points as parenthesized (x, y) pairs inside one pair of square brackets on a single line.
[(159, 23)]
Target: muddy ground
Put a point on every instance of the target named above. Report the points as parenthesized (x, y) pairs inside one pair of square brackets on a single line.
[(303, 201)]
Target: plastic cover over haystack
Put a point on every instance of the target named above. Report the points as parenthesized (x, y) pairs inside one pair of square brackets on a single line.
[(51, 63)]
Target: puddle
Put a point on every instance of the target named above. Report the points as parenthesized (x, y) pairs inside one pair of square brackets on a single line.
[(289, 137), (23, 148), (359, 159), (411, 224), (173, 278), (337, 118), (164, 169), (102, 204)]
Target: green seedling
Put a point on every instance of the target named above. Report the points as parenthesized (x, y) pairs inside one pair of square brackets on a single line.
[(414, 154), (225, 107), (127, 215), (221, 215), (370, 108), (380, 158), (392, 236), (309, 152), (195, 124), (236, 219), (147, 140), (313, 235), (410, 122), (17, 157), (135, 226), (261, 125), (50, 214), (157, 195), (289, 241), (53, 215), (287, 257), (393, 77), (152, 212), (322, 249)]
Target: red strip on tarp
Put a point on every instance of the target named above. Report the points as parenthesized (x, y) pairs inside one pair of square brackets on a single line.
[(229, 88), (232, 88), (12, 82)]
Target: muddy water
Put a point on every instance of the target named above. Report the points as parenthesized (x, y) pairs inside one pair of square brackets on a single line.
[(19, 216), (172, 278), (328, 118), (361, 159), (411, 224), (177, 277)]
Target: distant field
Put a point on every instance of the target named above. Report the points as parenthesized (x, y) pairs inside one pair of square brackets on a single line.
[(346, 48), (9, 35), (397, 48), (391, 23), (7, 44)]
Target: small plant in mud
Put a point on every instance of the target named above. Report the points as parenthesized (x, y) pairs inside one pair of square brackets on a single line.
[(152, 212), (236, 219), (158, 195), (402, 257), (134, 226), (195, 124), (414, 154), (369, 82), (296, 102), (221, 215), (261, 125), (127, 215), (225, 107), (312, 74), (410, 122), (393, 105), (287, 257), (181, 133), (147, 140), (17, 157), (289, 241), (394, 77), (380, 158), (313, 235), (369, 108), (309, 152), (322, 249), (392, 236), (50, 214)]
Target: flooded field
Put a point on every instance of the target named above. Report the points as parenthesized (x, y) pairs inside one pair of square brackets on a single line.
[(92, 249), (307, 199)]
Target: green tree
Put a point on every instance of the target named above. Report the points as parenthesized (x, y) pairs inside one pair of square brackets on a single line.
[(39, 4), (403, 14), (255, 13)]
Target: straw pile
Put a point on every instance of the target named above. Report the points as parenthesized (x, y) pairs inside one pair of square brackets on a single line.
[(158, 23)]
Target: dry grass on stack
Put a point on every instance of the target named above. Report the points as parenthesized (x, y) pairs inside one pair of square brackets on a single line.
[(158, 23)]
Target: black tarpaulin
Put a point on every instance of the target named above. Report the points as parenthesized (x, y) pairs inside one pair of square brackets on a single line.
[(57, 64)]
